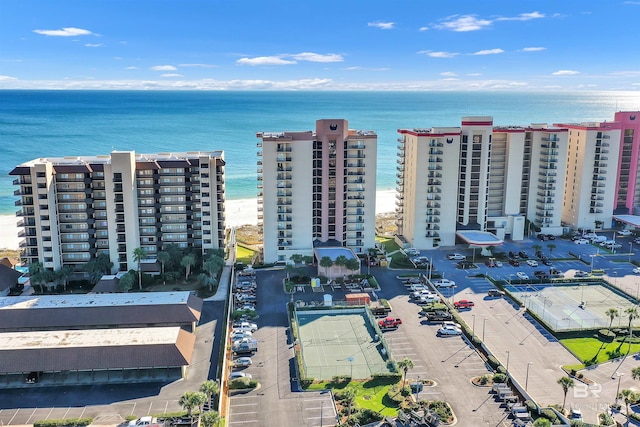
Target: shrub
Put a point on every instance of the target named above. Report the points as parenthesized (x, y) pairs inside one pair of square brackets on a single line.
[(606, 419), (241, 384), (367, 416), (483, 379), (306, 382), (70, 422), (394, 395), (550, 415), (606, 335), (501, 370), (499, 378), (387, 376), (493, 362), (531, 406)]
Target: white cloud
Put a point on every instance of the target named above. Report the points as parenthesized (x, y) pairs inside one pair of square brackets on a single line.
[(163, 68), (382, 25), (565, 73), (533, 49), (438, 54), (6, 78), (464, 23), (523, 17), (423, 29), (633, 73), (131, 68), (317, 57), (94, 45), (449, 74), (171, 75), (64, 32), (473, 74), (631, 2), (198, 65), (264, 60), (488, 52), (450, 79)]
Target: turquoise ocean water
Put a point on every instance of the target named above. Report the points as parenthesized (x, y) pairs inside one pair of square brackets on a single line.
[(66, 123)]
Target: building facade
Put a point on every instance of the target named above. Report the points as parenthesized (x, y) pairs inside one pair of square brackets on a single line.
[(75, 208), (316, 188)]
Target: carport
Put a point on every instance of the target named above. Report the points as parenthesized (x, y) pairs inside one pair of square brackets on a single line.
[(479, 239), (632, 220)]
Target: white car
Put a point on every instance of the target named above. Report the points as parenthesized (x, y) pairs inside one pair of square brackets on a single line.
[(532, 263), (245, 325), (624, 233), (412, 251), (581, 242), (450, 324), (522, 276), (456, 256), (427, 299), (498, 263), (236, 375), (242, 362), (417, 287), (448, 330), (613, 246), (238, 335), (444, 283), (636, 270)]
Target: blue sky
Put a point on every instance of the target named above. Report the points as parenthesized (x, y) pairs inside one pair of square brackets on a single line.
[(320, 45)]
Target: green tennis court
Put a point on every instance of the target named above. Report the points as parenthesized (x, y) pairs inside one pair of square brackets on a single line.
[(335, 344)]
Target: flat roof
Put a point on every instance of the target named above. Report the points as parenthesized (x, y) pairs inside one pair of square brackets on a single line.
[(628, 219), (94, 300), (479, 238)]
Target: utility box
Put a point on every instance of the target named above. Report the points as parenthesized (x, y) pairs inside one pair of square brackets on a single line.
[(358, 299)]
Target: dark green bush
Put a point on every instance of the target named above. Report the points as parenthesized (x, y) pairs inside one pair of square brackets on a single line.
[(68, 422), (493, 362), (499, 378), (550, 415), (390, 376), (394, 395), (367, 416), (241, 384)]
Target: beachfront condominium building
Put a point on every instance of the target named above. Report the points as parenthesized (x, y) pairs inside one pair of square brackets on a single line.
[(628, 186), (590, 182), (75, 208), (316, 188), (478, 177)]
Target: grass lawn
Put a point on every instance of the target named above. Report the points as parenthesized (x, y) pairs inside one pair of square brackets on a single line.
[(244, 254), (390, 245), (369, 394), (593, 348)]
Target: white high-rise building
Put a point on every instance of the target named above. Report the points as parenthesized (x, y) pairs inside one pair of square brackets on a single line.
[(316, 188), (75, 208)]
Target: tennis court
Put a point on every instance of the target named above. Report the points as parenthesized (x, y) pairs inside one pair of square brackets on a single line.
[(341, 343), (573, 306)]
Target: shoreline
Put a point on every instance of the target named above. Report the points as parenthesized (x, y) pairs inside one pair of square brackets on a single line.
[(238, 212)]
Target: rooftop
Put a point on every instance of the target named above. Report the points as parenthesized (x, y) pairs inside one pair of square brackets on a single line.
[(94, 300), (479, 238)]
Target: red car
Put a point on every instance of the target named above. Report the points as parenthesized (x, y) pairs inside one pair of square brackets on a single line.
[(463, 303), (389, 322)]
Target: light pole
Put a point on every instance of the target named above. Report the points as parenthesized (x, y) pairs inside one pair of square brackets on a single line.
[(350, 359), (619, 375), (473, 326), (630, 250), (418, 384), (526, 381), (508, 354), (484, 322)]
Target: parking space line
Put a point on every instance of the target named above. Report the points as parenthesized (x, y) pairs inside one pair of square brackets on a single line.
[(14, 415), (243, 413), (244, 404), (30, 416), (49, 414)]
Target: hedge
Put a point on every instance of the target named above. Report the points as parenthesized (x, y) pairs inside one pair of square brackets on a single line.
[(66, 422)]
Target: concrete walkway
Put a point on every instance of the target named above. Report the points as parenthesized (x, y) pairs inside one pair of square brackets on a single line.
[(225, 278)]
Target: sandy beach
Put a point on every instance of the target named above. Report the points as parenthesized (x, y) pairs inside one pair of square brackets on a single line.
[(239, 212)]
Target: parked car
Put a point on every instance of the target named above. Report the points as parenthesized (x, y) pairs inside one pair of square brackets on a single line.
[(412, 251), (498, 263), (389, 323), (238, 335), (598, 239), (576, 415), (444, 283), (464, 265), (417, 287), (532, 263), (451, 324), (624, 233), (437, 315), (580, 273), (513, 255), (514, 262), (242, 362), (523, 254), (463, 303), (581, 242), (428, 299), (495, 293), (636, 240), (456, 256), (636, 270), (547, 262), (522, 275), (448, 331), (554, 272), (613, 245), (540, 274), (236, 375)]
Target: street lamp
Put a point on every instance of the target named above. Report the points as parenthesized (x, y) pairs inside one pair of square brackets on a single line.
[(483, 324), (473, 325), (619, 375), (350, 359), (526, 381), (508, 354), (630, 250)]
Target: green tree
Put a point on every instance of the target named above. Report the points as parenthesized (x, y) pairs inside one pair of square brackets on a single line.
[(296, 258), (536, 247), (125, 284), (191, 400), (213, 266), (210, 388), (612, 313), (566, 383), (348, 397), (98, 267), (551, 247), (187, 262), (36, 274), (352, 264), (404, 365), (542, 422), (138, 255), (635, 373), (628, 396), (326, 262), (210, 419), (63, 274), (341, 261), (163, 258)]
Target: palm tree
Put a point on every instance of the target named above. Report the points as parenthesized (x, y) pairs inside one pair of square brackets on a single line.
[(210, 388), (64, 273), (187, 262), (326, 262), (210, 419), (192, 399), (125, 283), (612, 313), (627, 396), (632, 312), (349, 397), (566, 383), (352, 264), (163, 258), (551, 247), (213, 266), (341, 261), (405, 364), (36, 271), (138, 255), (536, 247), (635, 373)]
